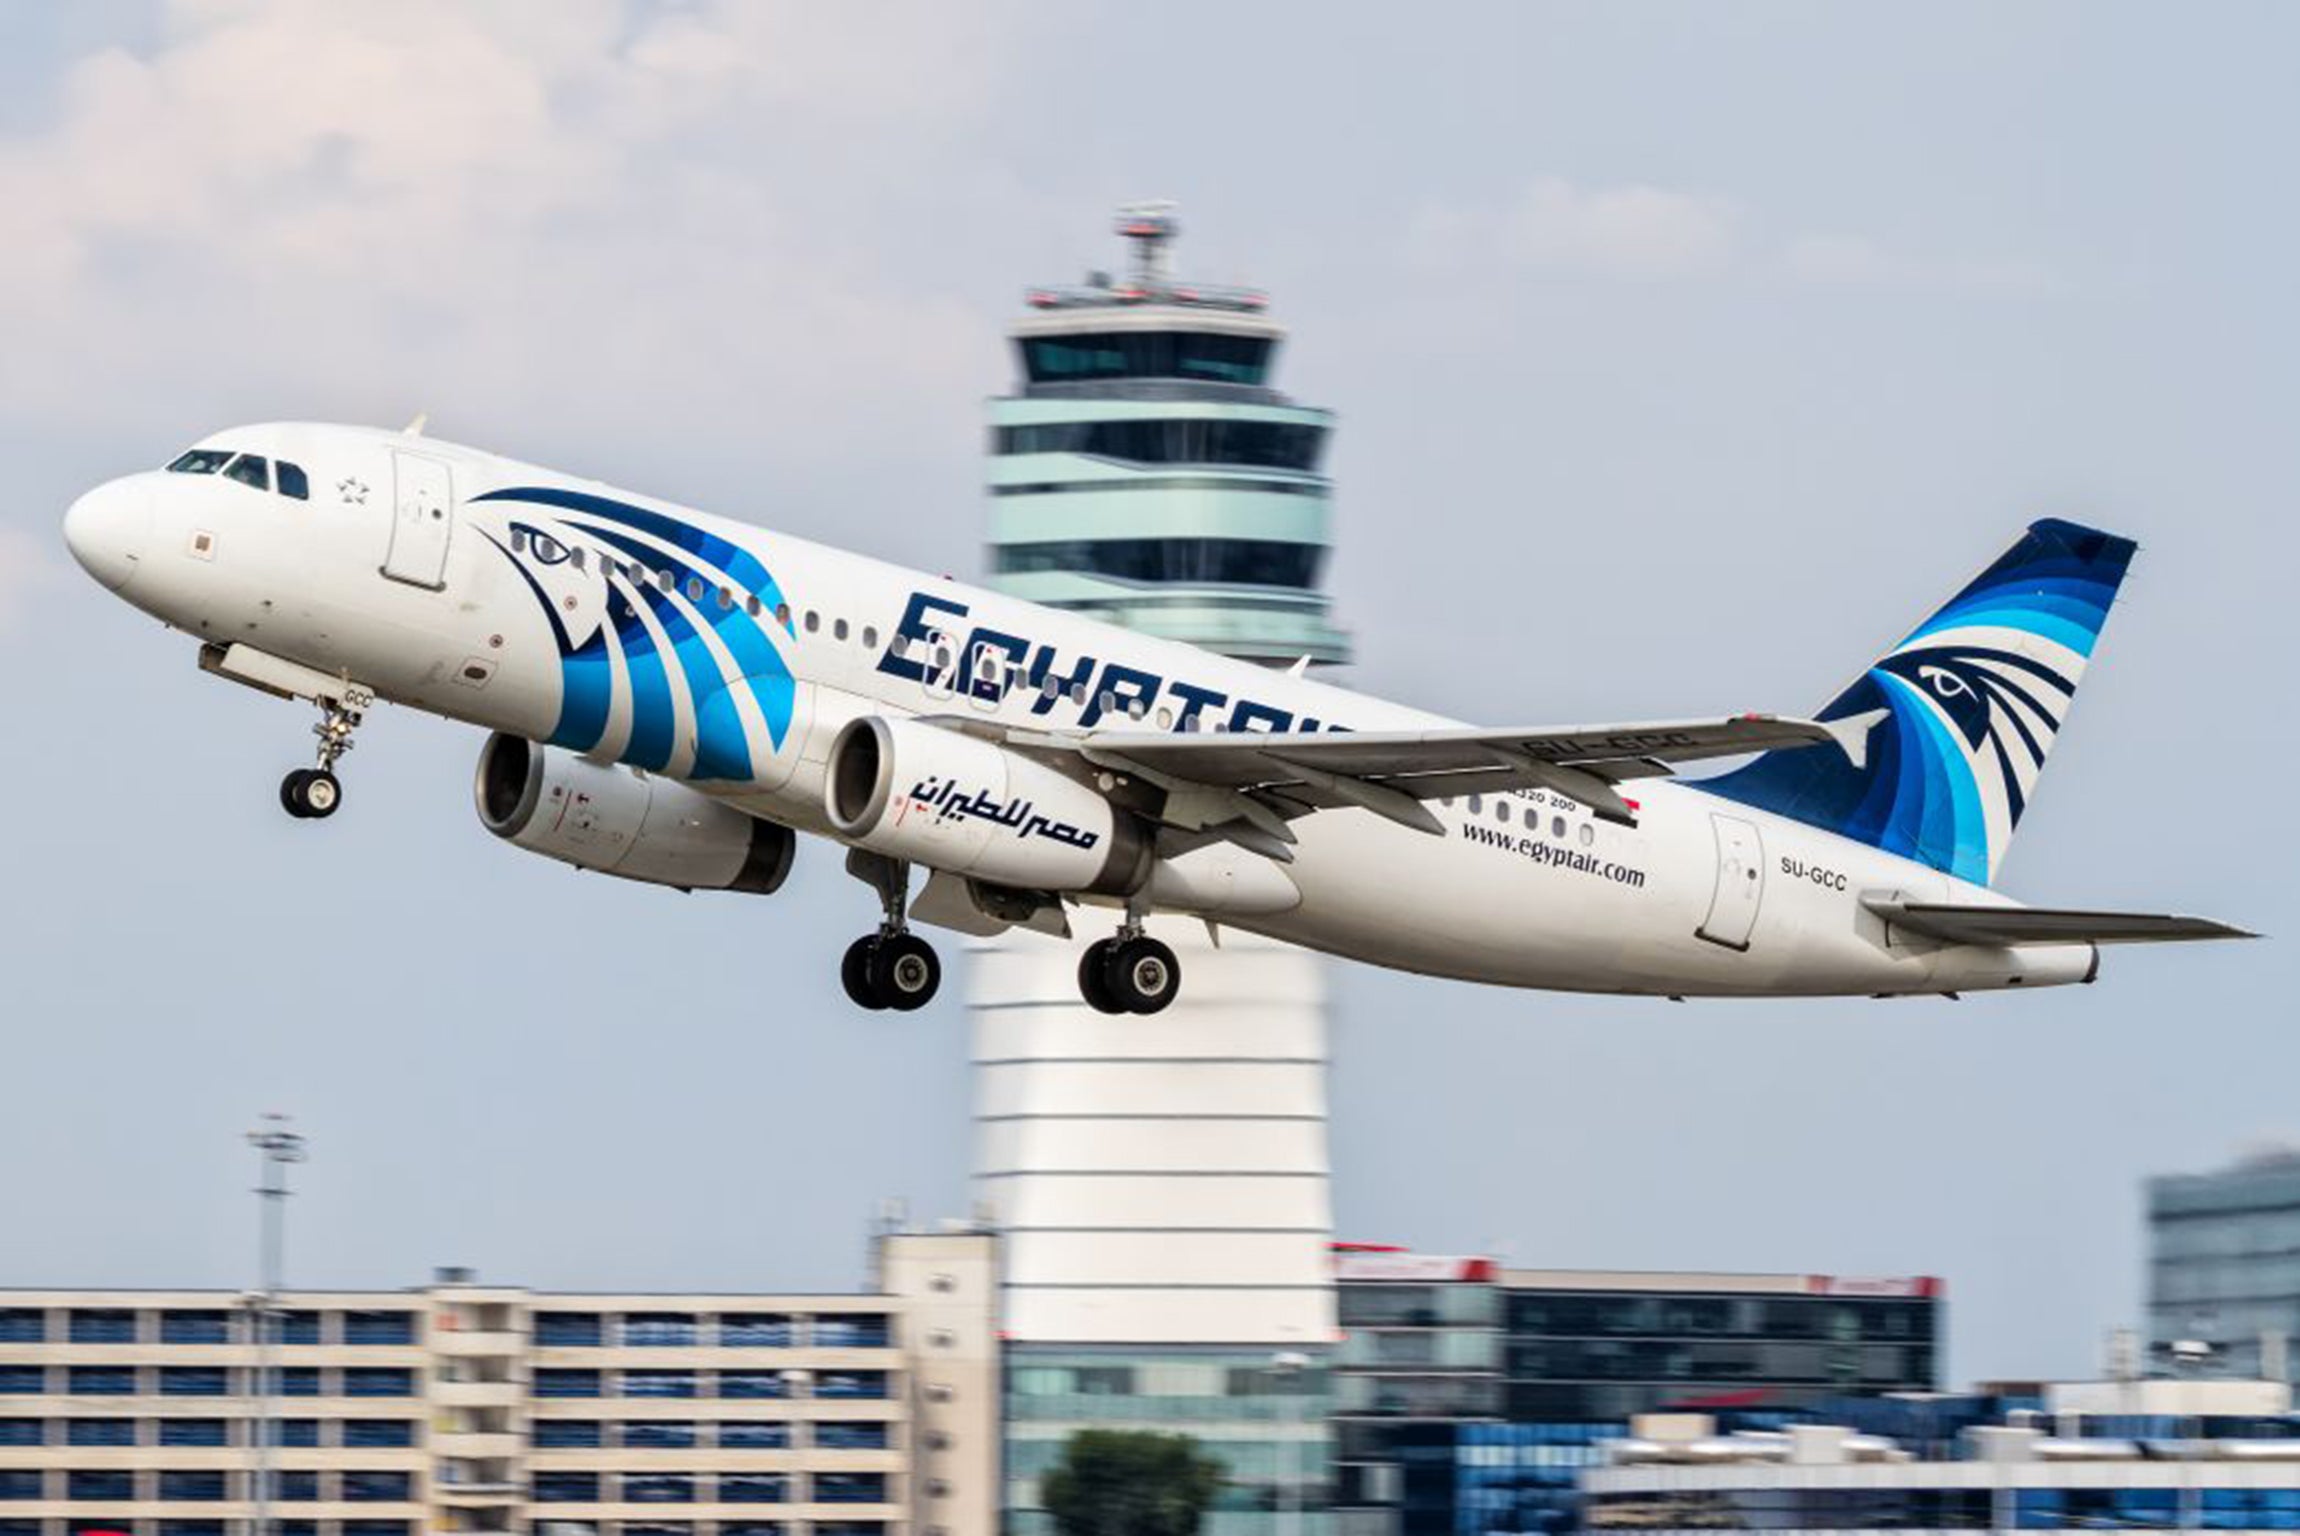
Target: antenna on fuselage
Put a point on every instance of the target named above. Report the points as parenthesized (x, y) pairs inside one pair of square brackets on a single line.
[(415, 427)]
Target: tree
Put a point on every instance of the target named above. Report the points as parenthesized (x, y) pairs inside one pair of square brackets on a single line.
[(1129, 1482)]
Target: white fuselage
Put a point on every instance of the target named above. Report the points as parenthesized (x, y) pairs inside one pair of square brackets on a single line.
[(410, 572)]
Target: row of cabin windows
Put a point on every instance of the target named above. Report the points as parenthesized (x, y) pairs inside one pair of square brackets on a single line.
[(686, 1434), (353, 1434), (1559, 827), (198, 1325), (200, 1381), (252, 470), (698, 591), (119, 1485), (689, 1488)]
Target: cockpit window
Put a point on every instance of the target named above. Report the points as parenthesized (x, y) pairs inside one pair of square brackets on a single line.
[(200, 461), (292, 480), (250, 469)]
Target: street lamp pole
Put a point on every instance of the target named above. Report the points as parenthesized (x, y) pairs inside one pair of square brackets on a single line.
[(276, 1146)]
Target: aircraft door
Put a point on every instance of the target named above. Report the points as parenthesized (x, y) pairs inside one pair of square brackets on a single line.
[(1740, 883), (422, 521)]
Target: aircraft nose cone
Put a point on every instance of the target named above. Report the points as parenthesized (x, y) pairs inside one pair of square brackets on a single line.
[(107, 530)]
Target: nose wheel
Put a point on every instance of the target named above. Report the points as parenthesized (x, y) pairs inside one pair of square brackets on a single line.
[(892, 968), (311, 794), (1131, 973)]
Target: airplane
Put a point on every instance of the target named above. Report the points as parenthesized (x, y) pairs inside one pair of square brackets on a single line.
[(673, 697)]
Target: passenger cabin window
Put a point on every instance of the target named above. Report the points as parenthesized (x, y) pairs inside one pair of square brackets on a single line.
[(200, 461), (252, 470), (292, 480)]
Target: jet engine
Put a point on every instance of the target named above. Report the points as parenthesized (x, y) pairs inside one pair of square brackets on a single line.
[(953, 802), (550, 801)]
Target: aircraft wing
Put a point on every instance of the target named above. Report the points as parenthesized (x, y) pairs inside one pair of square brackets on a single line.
[(2010, 926), (1290, 773)]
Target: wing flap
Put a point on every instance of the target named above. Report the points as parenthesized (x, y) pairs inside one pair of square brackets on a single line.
[(2013, 926)]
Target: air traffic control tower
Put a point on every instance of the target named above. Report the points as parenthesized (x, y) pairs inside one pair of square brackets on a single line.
[(1161, 1182)]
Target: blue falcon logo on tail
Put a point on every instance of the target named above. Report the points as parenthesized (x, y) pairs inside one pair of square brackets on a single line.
[(1967, 707)]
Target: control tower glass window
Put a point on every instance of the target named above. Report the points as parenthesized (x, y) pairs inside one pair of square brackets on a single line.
[(1249, 562), (1184, 440), (1080, 358)]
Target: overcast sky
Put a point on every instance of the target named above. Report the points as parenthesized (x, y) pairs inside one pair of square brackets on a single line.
[(1684, 355)]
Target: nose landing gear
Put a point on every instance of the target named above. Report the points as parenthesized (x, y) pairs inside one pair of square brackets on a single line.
[(313, 793), (892, 968)]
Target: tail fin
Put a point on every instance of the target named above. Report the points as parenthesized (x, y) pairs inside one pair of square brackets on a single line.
[(1961, 713)]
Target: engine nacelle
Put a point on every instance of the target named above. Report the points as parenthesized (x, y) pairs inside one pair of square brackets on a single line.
[(550, 801), (953, 802)]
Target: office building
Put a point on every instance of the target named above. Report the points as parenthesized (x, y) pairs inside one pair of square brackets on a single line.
[(468, 1407), (2224, 1265)]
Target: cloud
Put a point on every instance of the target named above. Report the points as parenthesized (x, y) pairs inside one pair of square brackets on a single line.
[(1553, 225)]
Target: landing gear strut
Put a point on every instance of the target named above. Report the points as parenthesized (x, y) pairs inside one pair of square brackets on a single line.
[(311, 793), (1128, 973), (892, 968)]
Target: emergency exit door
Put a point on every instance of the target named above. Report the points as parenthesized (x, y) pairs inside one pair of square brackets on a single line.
[(1740, 883), (422, 521)]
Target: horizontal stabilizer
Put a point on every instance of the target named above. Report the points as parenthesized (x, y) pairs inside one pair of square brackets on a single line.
[(2009, 926)]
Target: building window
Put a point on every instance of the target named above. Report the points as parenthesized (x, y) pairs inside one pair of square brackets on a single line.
[(23, 1325), (99, 1432), (658, 1528), (761, 1435), (374, 1528), (378, 1434), (753, 1384), (832, 1436), (726, 1528), (658, 1488), (850, 1488), (376, 1487), (181, 1432), (105, 1380), (204, 1487), (295, 1528), (115, 1486), (195, 1381), (195, 1528), (849, 1528), (567, 1384), (566, 1434), (863, 1331), (301, 1433), (195, 1328), (22, 1380), (296, 1487), (1083, 356), (378, 1381), (659, 1434), (566, 1487), (379, 1327), (1184, 440), (567, 1330), (754, 1487), (103, 1325), (19, 1483), (759, 1332), (850, 1384), (296, 1381), (658, 1330), (296, 1327), (23, 1432), (658, 1383)]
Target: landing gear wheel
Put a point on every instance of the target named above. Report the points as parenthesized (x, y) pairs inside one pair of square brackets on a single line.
[(904, 972), (311, 793), (1143, 974), (854, 972), (1094, 977)]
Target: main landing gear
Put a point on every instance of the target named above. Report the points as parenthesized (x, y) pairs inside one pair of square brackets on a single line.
[(1129, 973), (312, 793), (892, 968)]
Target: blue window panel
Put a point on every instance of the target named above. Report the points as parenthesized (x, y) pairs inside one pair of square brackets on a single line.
[(2038, 1509), (23, 1432), (659, 1330), (99, 1431), (728, 1528), (296, 1381), (663, 1434), (567, 1384), (376, 1487), (568, 1330), (851, 1437), (23, 1325), (754, 1332), (375, 1528), (296, 1487), (296, 1327), (195, 1381), (22, 1380), (658, 1383), (103, 1325), (851, 1384), (862, 1331), (566, 1434), (13, 1527), (118, 1487), (658, 1488), (195, 1432), (379, 1327), (190, 1486), (753, 1384), (19, 1483), (376, 1434), (850, 1487), (849, 1528), (566, 1487), (295, 1528), (102, 1380), (191, 1528), (187, 1327), (297, 1432), (760, 1436), (378, 1381), (754, 1488)]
